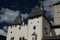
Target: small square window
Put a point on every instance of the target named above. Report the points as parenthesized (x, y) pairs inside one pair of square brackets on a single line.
[(11, 31), (23, 38), (38, 21), (34, 27), (19, 28), (20, 38), (58, 12)]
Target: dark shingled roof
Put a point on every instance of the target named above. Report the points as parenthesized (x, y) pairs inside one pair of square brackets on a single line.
[(56, 3), (35, 12), (17, 21)]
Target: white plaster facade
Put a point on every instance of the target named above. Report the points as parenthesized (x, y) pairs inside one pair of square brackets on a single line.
[(37, 22), (56, 14), (17, 31), (34, 30)]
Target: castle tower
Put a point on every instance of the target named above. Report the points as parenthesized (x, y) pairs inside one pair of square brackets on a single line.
[(56, 8), (38, 25)]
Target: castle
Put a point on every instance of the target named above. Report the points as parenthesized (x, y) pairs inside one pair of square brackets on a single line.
[(37, 27)]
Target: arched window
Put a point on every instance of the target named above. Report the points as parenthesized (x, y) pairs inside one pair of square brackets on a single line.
[(23, 38), (34, 27), (20, 38), (34, 36)]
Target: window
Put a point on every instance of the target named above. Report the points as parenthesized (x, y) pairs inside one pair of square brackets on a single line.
[(38, 21), (58, 12), (34, 27), (34, 38), (19, 28), (11, 31), (23, 38), (20, 38), (12, 38)]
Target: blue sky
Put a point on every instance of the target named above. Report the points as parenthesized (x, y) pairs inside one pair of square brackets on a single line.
[(10, 9), (22, 5)]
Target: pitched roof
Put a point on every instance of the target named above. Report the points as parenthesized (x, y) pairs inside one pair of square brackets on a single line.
[(17, 21), (35, 12), (34, 34)]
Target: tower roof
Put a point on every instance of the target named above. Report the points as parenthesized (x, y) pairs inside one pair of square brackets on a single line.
[(56, 3), (17, 21), (35, 12)]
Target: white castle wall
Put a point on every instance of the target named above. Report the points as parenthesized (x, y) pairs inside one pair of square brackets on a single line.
[(16, 32), (24, 32), (35, 22), (27, 30)]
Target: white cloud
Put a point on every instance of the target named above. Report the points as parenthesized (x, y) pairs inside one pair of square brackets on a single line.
[(9, 15), (24, 15), (2, 32), (5, 28)]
